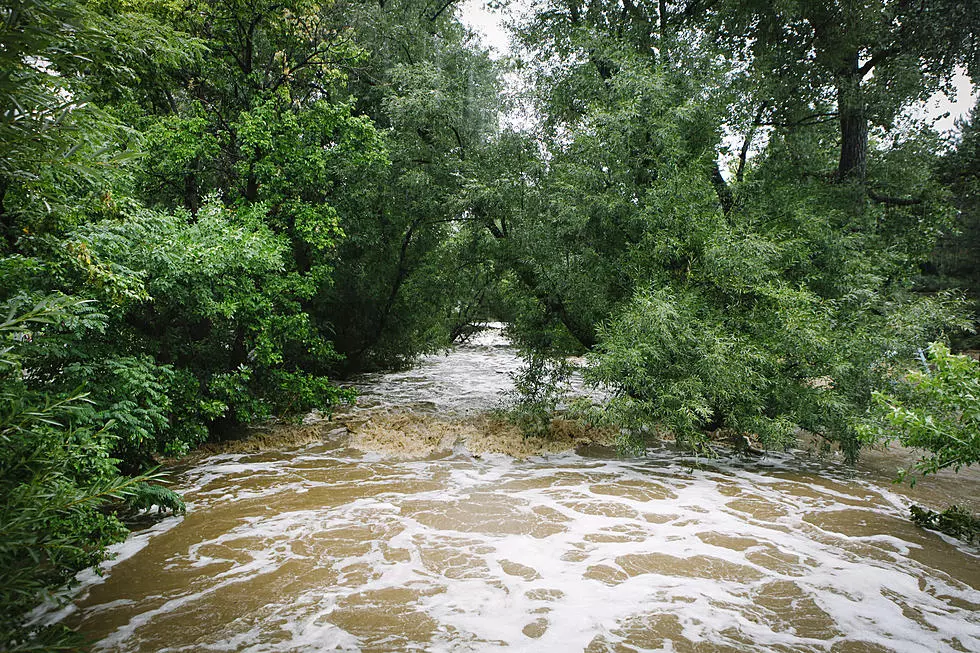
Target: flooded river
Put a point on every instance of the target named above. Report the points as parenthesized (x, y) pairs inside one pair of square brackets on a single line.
[(323, 547)]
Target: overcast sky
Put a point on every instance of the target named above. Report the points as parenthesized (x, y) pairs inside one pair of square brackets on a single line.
[(489, 26)]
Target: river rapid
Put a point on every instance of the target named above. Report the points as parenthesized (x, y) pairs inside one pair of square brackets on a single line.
[(323, 547)]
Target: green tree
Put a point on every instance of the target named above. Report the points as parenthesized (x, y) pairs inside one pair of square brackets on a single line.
[(858, 64), (956, 261), (405, 272), (205, 328), (760, 305), (351, 124), (53, 144)]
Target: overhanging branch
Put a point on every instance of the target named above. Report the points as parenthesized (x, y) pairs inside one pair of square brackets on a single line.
[(894, 201)]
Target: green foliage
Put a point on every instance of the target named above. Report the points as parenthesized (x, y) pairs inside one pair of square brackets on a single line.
[(131, 394), (936, 409), (539, 390), (52, 143), (856, 64), (56, 478), (254, 196), (147, 495), (221, 320), (274, 121), (677, 368), (784, 320), (404, 269), (954, 521), (766, 303), (205, 328), (955, 263), (57, 145)]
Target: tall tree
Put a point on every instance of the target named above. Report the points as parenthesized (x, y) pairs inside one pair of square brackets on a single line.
[(956, 261), (622, 124), (429, 85), (694, 291), (58, 143), (858, 63)]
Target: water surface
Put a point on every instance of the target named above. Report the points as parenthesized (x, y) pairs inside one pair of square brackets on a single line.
[(324, 548)]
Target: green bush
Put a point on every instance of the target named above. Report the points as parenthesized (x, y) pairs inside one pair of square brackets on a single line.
[(539, 388), (58, 478), (936, 409), (955, 521), (200, 326)]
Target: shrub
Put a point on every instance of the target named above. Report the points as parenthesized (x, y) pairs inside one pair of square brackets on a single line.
[(936, 409)]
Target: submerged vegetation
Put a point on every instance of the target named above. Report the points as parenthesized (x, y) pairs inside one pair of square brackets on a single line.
[(954, 521), (935, 409), (210, 210)]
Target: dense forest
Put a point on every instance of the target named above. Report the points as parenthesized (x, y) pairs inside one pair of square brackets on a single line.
[(213, 210)]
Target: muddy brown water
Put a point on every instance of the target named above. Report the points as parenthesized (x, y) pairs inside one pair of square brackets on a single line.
[(323, 547)]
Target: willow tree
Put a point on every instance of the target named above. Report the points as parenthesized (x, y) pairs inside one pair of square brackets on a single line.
[(858, 64), (760, 305), (402, 280), (956, 261), (624, 136)]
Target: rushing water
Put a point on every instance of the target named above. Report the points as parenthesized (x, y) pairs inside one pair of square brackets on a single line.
[(325, 548)]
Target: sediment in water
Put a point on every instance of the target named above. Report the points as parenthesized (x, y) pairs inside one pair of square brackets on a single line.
[(409, 434), (269, 437)]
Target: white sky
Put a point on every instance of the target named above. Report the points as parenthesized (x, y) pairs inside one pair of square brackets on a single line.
[(489, 25), (959, 105)]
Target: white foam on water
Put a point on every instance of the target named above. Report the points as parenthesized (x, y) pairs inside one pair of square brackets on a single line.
[(328, 549), (472, 378), (598, 564)]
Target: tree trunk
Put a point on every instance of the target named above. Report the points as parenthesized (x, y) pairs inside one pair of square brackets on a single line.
[(553, 304), (853, 123), (252, 182), (743, 154), (725, 197), (7, 226)]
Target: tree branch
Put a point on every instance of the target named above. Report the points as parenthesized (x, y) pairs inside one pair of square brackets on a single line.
[(721, 189), (812, 119), (875, 60), (446, 5), (747, 143), (894, 201)]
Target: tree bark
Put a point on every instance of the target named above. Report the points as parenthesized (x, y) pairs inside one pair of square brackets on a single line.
[(252, 181), (192, 194), (853, 119), (743, 154), (7, 222), (725, 197), (554, 304)]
